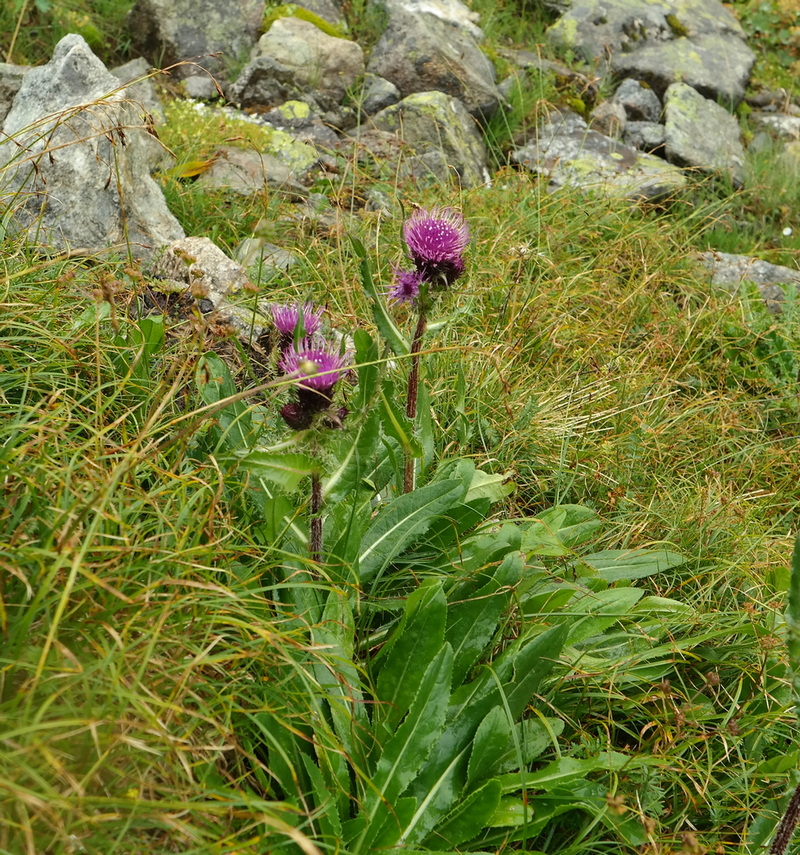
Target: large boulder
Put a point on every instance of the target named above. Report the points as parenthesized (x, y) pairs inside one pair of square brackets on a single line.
[(295, 59), (192, 35), (423, 53), (702, 135), (661, 41), (567, 152), (78, 174), (441, 133)]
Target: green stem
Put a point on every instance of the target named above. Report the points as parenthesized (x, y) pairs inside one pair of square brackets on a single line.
[(411, 398)]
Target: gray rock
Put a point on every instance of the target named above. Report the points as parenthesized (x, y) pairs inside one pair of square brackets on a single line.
[(10, 80), (82, 179), (778, 124), (661, 41), (567, 152), (198, 265), (378, 94), (422, 53), (717, 66), (609, 118), (299, 120), (432, 121), (640, 102), (730, 271), (201, 87), (329, 10), (214, 34), (647, 136), (265, 83), (138, 81), (249, 172), (323, 64), (140, 89), (452, 12), (702, 135), (597, 31), (266, 259)]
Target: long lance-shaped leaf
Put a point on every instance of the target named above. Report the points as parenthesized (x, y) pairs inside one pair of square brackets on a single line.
[(412, 648), (793, 620), (391, 333), (531, 663), (408, 749), (401, 522), (472, 622), (354, 464)]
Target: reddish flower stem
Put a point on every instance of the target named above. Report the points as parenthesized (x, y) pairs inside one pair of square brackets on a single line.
[(411, 398), (787, 826), (315, 533)]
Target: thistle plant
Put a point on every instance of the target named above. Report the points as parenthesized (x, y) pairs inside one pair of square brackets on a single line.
[(293, 321), (315, 372), (435, 241)]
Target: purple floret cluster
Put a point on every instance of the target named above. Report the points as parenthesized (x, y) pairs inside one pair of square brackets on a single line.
[(436, 241), (310, 364)]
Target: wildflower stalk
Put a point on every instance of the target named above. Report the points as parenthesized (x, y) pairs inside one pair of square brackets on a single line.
[(315, 526), (413, 391)]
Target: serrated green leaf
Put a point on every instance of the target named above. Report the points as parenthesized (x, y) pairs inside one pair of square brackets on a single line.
[(406, 751), (491, 742), (471, 623), (402, 521), (215, 384), (622, 565), (413, 646), (793, 620), (285, 470), (354, 455), (519, 671), (598, 610), (558, 530), (469, 818)]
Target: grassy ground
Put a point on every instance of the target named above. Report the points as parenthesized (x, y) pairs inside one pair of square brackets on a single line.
[(149, 615)]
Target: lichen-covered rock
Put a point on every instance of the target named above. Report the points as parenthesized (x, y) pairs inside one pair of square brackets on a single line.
[(641, 104), (731, 271), (78, 172), (249, 172), (451, 12), (319, 65), (702, 135), (647, 136), (609, 118), (716, 66), (567, 152), (212, 34), (422, 53), (378, 93), (432, 121), (661, 41), (198, 265)]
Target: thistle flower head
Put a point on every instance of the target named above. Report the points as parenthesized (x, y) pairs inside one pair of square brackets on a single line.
[(436, 241), (287, 317), (312, 367), (406, 285)]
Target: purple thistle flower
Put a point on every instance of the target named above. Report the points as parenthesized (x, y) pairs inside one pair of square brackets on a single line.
[(313, 367), (436, 241), (287, 317), (406, 285)]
